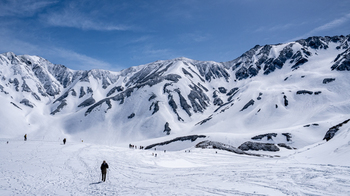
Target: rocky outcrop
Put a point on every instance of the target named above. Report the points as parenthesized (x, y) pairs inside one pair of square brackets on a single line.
[(304, 92), (258, 146), (250, 103), (226, 147), (342, 61), (87, 102), (59, 107), (268, 136), (132, 115), (27, 103), (328, 80), (333, 130), (192, 138), (167, 129)]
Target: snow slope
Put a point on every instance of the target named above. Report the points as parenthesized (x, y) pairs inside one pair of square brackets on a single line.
[(38, 167), (287, 96)]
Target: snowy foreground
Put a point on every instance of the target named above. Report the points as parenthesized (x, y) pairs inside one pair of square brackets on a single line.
[(51, 168)]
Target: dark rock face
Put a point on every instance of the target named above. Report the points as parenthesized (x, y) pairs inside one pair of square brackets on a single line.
[(59, 107), (205, 120), (99, 103), (15, 82), (36, 96), (74, 93), (184, 138), (328, 80), (62, 97), (258, 146), (27, 103), (211, 71), (198, 94), (87, 102), (333, 130), (226, 147), (132, 115), (218, 101), (15, 105), (304, 92), (220, 146), (155, 106), (173, 105), (342, 61), (116, 88), (250, 103), (288, 136), (184, 105), (153, 96), (222, 90), (187, 73), (285, 100), (82, 92), (283, 145), (167, 129), (242, 73), (232, 91), (25, 87), (268, 136), (278, 63), (316, 42)]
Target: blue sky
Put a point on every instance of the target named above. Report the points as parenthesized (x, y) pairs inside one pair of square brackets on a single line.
[(117, 34)]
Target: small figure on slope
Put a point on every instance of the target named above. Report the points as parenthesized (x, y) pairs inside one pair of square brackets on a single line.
[(64, 141), (104, 167), (25, 137)]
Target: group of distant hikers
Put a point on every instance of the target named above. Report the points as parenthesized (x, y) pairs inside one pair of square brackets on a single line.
[(134, 146), (104, 165)]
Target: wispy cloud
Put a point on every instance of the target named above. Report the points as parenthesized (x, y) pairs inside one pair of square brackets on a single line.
[(71, 59), (328, 26), (276, 27), (78, 20), (75, 17), (81, 61), (23, 7), (334, 23), (195, 37)]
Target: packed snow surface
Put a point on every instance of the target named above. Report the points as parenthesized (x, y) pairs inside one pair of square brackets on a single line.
[(50, 168)]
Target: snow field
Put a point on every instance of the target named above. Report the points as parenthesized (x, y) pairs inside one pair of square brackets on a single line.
[(51, 168)]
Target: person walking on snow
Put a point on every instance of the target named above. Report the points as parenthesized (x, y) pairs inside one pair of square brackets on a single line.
[(25, 137), (104, 168), (64, 141)]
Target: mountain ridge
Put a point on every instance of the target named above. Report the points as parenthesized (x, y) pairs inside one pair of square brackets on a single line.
[(259, 87)]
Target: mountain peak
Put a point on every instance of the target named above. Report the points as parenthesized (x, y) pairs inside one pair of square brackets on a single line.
[(254, 92)]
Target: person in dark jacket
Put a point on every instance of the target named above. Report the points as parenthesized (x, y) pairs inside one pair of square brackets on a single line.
[(64, 141), (25, 137), (104, 168)]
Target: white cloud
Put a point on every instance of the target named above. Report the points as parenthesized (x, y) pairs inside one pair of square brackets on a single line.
[(81, 61), (76, 19), (332, 24), (71, 59), (328, 26), (23, 7)]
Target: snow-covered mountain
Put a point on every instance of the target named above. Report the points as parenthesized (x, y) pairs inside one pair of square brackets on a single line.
[(296, 90)]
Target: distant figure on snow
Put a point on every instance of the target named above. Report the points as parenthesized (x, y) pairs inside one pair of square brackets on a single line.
[(64, 141), (104, 168), (25, 137)]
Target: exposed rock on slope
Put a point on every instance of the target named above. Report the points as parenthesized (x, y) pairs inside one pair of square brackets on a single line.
[(188, 94)]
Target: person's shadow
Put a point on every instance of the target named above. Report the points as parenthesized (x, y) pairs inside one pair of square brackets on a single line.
[(95, 183)]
